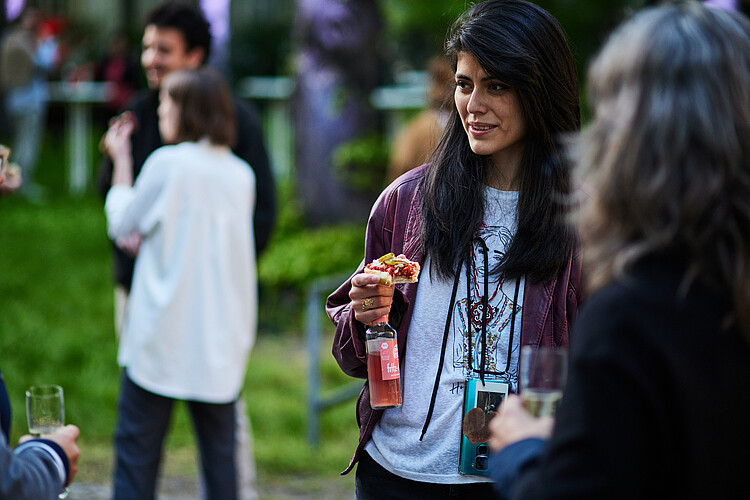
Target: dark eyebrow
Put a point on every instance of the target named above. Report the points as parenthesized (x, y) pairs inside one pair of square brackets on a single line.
[(485, 79)]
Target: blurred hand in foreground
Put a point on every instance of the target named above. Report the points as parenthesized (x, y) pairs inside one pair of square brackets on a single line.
[(66, 437), (513, 423), (116, 140)]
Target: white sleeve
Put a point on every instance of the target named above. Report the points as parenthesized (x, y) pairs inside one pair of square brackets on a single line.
[(137, 208)]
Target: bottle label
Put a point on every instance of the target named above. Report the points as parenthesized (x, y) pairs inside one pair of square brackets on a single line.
[(389, 359)]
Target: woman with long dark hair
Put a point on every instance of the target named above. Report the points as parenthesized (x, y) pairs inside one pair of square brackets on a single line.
[(656, 404), (486, 219)]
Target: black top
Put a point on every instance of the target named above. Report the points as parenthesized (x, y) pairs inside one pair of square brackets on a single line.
[(657, 402), (250, 147)]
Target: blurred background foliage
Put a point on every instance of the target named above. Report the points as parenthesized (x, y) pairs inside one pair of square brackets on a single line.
[(413, 31)]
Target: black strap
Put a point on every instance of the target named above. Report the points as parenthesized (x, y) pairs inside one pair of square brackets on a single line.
[(485, 305), (442, 352)]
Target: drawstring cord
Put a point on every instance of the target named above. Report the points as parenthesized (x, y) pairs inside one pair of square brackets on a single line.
[(442, 353)]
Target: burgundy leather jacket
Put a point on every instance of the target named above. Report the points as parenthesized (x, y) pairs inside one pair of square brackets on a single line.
[(394, 224)]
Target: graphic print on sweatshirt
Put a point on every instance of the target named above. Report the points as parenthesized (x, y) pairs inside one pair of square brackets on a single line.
[(467, 350)]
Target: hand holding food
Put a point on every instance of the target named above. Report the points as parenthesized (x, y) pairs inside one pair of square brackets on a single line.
[(372, 291)]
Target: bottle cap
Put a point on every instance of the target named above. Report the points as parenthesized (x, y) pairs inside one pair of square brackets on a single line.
[(383, 319)]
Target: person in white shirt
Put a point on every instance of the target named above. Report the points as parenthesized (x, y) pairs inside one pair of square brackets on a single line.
[(191, 321)]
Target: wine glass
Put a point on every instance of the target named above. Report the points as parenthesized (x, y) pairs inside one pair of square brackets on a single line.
[(45, 411), (543, 375)]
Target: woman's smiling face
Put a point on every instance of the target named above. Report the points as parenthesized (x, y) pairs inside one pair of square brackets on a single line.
[(491, 115)]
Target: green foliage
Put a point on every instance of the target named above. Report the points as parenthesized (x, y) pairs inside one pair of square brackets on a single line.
[(296, 255), (297, 260), (415, 30), (248, 57), (362, 162), (588, 22), (56, 317), (289, 218)]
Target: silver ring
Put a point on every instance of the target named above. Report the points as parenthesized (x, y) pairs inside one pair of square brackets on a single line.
[(367, 304)]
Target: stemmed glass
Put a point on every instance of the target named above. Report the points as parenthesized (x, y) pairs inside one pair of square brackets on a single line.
[(45, 411), (543, 375)]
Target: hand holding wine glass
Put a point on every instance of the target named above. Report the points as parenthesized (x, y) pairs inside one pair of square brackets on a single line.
[(513, 423), (45, 411), (543, 373)]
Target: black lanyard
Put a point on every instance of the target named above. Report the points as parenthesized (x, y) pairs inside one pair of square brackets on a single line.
[(485, 306), (446, 330)]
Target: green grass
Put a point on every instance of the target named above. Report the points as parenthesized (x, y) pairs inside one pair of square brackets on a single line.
[(56, 326), (56, 312)]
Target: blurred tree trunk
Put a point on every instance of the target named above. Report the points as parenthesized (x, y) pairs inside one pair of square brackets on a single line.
[(125, 15), (337, 69)]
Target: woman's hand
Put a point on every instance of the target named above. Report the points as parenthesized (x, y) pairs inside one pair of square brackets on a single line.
[(10, 180), (513, 423), (116, 141), (370, 299), (129, 244)]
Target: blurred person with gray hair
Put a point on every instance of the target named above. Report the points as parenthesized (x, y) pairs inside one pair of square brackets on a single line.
[(656, 403)]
